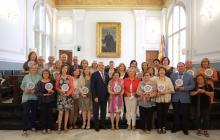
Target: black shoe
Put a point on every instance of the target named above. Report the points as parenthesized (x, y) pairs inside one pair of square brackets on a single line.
[(173, 131), (96, 129), (186, 132), (164, 130), (103, 127), (159, 131)]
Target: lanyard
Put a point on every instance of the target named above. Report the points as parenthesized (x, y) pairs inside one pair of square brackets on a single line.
[(180, 76)]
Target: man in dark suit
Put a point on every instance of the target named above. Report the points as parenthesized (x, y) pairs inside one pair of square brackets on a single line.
[(99, 83)]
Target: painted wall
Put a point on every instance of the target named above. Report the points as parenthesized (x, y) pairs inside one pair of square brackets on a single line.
[(78, 28), (205, 31), (13, 30)]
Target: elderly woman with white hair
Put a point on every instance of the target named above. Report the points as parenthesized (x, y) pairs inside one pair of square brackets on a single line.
[(130, 88)]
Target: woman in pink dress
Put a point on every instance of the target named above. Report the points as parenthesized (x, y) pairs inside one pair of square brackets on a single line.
[(116, 91)]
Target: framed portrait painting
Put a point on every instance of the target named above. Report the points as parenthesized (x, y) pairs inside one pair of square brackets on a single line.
[(108, 39)]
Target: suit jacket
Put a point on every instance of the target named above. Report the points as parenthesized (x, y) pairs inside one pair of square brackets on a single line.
[(188, 84), (99, 87)]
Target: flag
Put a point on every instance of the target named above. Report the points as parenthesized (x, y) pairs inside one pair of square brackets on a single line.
[(163, 48)]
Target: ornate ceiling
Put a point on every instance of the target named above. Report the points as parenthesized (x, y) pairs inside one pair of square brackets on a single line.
[(121, 4)]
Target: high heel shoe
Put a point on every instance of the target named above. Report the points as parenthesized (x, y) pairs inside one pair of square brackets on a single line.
[(58, 131), (24, 133), (66, 129), (44, 131), (48, 131), (117, 127), (84, 126), (88, 126)]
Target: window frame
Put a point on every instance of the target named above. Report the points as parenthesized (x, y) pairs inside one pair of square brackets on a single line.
[(178, 33)]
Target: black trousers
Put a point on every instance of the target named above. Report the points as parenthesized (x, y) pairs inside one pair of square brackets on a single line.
[(202, 118), (29, 114), (181, 110), (146, 117), (46, 115), (102, 106), (162, 110)]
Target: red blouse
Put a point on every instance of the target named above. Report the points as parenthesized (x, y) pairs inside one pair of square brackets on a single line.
[(127, 82), (70, 83)]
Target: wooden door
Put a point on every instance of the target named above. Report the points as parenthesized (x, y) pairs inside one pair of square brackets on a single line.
[(151, 55), (69, 53)]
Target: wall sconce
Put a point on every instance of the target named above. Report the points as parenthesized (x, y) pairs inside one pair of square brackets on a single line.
[(209, 8)]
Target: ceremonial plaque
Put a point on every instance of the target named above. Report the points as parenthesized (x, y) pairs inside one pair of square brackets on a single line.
[(191, 72), (48, 86), (117, 88), (85, 90), (30, 85), (65, 87), (31, 63), (208, 72), (179, 82), (161, 87), (148, 89)]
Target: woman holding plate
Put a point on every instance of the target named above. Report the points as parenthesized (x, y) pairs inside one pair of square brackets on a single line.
[(32, 59), (65, 89), (147, 92), (165, 88), (56, 71), (29, 99), (209, 72), (45, 89), (116, 91), (85, 100)]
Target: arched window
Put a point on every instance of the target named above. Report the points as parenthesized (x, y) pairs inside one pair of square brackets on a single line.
[(177, 35), (42, 30)]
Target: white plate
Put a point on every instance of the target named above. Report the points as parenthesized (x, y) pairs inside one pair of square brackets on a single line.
[(117, 88), (179, 82), (161, 87), (85, 90), (48, 86), (30, 85), (148, 88), (65, 87), (209, 72)]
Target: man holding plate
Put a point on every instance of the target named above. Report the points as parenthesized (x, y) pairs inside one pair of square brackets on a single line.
[(183, 83)]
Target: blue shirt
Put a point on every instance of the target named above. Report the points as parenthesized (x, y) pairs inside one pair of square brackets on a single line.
[(188, 85), (29, 78)]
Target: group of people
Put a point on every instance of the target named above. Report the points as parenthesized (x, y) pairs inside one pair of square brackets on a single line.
[(92, 89)]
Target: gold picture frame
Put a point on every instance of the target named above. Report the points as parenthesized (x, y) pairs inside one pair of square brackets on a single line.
[(108, 39)]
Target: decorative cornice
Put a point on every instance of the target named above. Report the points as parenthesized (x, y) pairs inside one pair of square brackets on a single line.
[(51, 3), (110, 4)]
